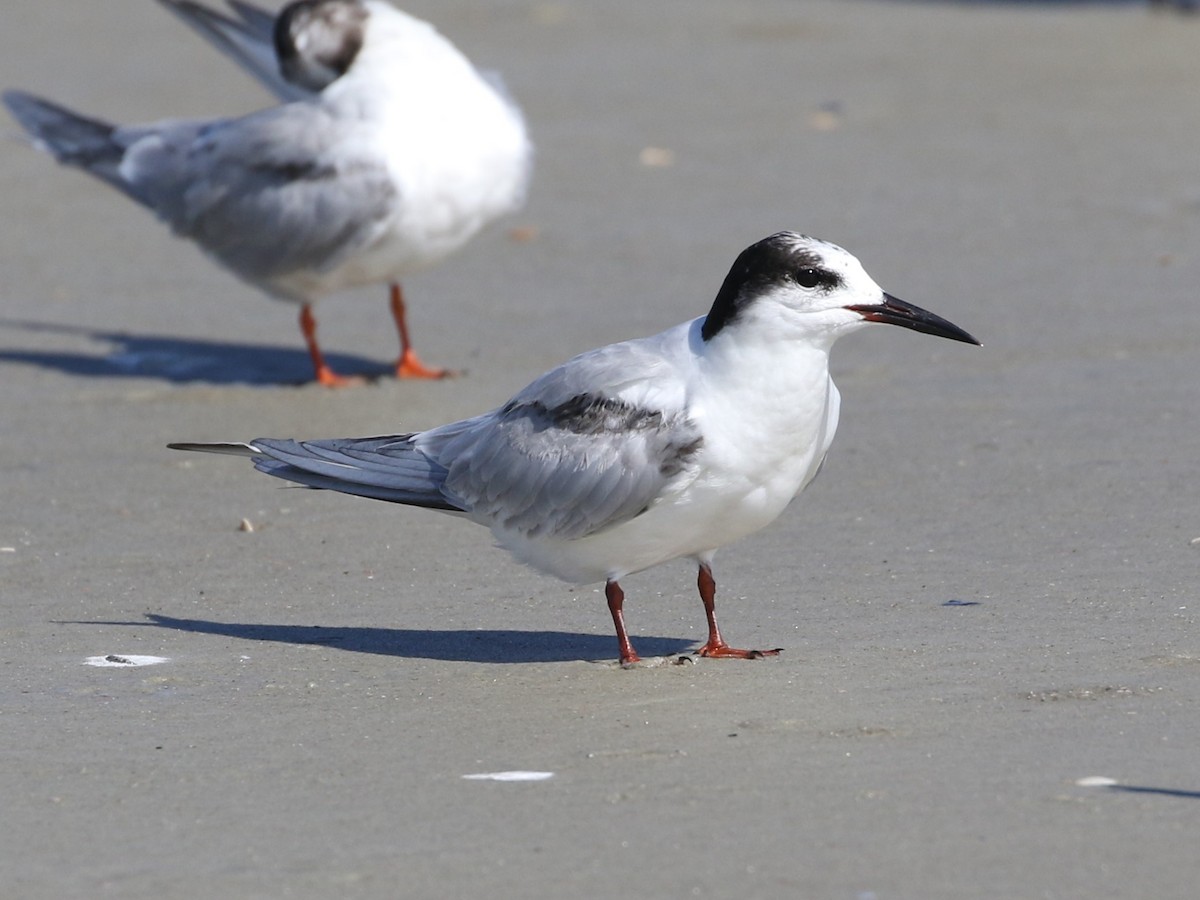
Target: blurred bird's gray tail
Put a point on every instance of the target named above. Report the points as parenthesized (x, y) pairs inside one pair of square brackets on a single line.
[(70, 138)]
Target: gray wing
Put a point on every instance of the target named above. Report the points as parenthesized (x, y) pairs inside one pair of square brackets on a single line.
[(585, 447), (279, 191), (578, 451), (287, 189), (248, 40)]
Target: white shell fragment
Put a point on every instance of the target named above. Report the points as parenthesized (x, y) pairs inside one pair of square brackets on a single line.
[(124, 660), (510, 776), (656, 157)]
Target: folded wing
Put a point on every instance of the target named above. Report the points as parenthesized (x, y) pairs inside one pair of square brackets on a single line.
[(560, 460)]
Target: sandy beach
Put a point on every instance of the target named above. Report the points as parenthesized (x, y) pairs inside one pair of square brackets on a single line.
[(988, 601)]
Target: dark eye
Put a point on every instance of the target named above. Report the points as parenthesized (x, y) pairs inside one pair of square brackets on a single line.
[(808, 277)]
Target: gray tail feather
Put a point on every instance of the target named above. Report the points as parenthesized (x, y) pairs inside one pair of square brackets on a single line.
[(427, 499), (230, 449), (386, 468), (382, 468), (70, 138)]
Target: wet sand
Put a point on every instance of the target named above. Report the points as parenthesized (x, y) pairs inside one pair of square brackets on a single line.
[(989, 594)]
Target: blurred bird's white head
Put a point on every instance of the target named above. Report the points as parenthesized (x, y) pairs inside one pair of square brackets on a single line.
[(318, 41)]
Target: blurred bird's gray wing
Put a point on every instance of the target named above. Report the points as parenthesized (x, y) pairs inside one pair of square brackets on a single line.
[(248, 40), (273, 193), (267, 194)]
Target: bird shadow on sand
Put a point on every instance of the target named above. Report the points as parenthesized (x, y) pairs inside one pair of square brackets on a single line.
[(454, 645), (1051, 3), (179, 360)]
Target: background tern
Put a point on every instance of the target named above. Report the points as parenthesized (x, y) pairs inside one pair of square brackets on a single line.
[(392, 153), (643, 451)]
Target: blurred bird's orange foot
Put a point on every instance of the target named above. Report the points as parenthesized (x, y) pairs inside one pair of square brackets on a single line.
[(410, 366)]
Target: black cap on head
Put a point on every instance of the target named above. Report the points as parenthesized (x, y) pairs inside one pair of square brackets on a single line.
[(768, 263)]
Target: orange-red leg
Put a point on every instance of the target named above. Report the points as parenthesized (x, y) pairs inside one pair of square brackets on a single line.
[(716, 645), (616, 606), (409, 365), (323, 374)]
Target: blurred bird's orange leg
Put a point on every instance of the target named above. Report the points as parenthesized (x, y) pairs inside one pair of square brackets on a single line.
[(323, 374), (409, 366), (616, 606), (716, 645)]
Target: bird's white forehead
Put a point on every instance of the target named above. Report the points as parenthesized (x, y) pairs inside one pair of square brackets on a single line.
[(830, 256), (803, 243)]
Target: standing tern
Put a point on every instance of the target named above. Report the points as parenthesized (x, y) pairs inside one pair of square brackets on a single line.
[(643, 451), (392, 153)]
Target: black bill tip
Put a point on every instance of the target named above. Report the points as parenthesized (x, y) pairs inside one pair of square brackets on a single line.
[(894, 311)]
